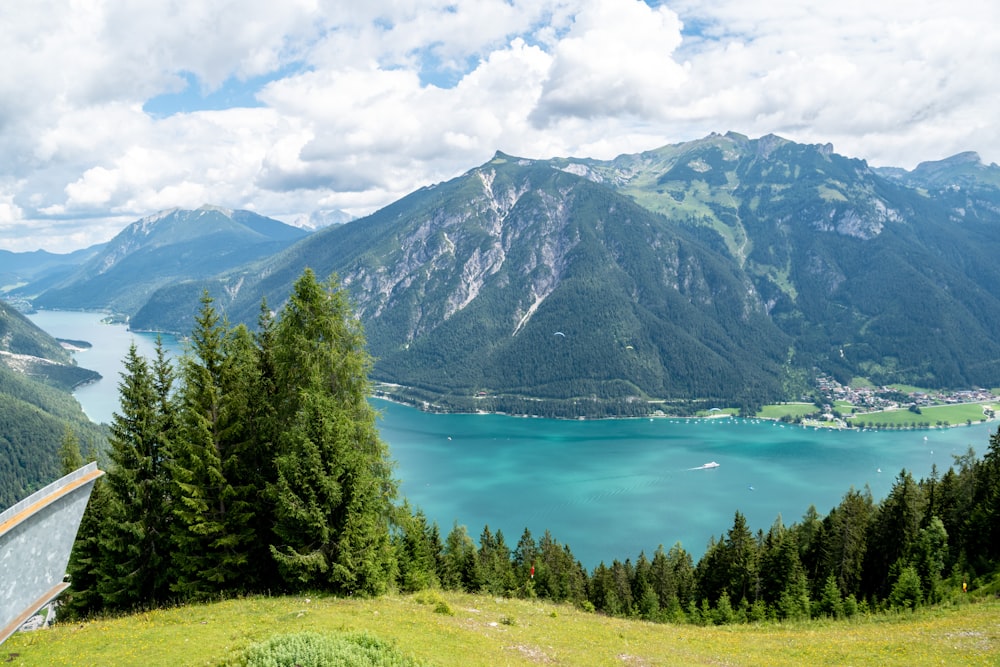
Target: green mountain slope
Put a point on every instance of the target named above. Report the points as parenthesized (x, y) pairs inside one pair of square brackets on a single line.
[(36, 374), (166, 248), (867, 273)]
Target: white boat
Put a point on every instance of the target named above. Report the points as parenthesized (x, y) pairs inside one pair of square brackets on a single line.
[(706, 466)]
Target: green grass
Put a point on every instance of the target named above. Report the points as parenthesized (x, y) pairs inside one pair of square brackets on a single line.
[(945, 414), (492, 631), (790, 410)]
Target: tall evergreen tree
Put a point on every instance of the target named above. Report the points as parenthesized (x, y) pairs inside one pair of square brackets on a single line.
[(929, 555), (779, 562), (213, 531), (83, 597), (982, 530), (710, 572), (416, 550), (559, 576), (494, 572), (334, 490), (247, 457), (845, 540), (70, 458), (741, 561), (135, 542), (892, 534), (458, 561)]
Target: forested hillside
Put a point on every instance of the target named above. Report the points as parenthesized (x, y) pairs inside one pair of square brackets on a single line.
[(36, 409)]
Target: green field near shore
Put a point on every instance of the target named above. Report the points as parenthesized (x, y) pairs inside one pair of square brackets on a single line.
[(937, 415), (930, 416), (786, 410)]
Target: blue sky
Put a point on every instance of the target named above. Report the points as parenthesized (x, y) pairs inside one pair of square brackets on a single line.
[(112, 111), (195, 96)]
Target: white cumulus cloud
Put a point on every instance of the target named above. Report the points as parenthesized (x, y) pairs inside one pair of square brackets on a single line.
[(306, 105)]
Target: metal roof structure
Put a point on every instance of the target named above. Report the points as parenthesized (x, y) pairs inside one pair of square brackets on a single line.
[(36, 538)]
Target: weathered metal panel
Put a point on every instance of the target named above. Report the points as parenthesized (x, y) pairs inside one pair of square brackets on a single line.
[(36, 538)]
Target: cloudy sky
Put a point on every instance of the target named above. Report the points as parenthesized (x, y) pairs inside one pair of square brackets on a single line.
[(111, 110)]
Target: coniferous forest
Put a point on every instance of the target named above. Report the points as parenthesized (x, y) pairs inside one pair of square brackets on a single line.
[(254, 466)]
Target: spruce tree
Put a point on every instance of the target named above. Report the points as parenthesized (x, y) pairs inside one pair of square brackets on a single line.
[(741, 560), (218, 462), (247, 456), (416, 551), (134, 568), (523, 561), (458, 562), (845, 540), (494, 572), (893, 531), (70, 458), (333, 492), (83, 598)]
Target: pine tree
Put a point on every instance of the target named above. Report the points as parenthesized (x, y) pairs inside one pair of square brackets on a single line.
[(458, 561), (213, 513), (982, 526), (646, 600), (493, 567), (741, 561), (523, 561), (416, 551), (247, 457), (333, 490), (893, 531), (83, 598), (712, 572), (70, 458), (682, 568), (559, 576), (831, 602), (845, 539), (134, 567)]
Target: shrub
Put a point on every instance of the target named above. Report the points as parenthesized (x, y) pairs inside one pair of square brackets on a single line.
[(312, 649)]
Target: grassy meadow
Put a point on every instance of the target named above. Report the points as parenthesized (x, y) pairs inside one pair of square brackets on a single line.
[(439, 628), (952, 415)]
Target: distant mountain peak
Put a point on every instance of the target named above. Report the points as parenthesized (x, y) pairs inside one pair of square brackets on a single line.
[(964, 169), (206, 208), (964, 158), (168, 246)]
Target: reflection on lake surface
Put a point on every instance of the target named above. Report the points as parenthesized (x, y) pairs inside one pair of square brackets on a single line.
[(609, 488)]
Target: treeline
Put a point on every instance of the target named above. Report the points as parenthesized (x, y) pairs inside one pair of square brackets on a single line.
[(256, 466), (549, 408), (926, 541)]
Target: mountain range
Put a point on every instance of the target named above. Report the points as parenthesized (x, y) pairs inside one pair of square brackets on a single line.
[(162, 249), (722, 271)]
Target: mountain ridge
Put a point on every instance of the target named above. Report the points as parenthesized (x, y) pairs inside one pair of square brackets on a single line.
[(755, 263), (168, 246)]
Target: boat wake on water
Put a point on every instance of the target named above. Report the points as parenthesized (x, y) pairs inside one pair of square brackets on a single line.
[(706, 466)]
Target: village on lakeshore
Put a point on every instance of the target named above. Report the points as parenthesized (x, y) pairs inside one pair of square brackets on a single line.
[(866, 406)]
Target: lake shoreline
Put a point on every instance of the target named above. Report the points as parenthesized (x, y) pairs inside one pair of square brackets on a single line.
[(422, 407)]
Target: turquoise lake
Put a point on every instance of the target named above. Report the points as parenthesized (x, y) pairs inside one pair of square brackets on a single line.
[(608, 488)]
